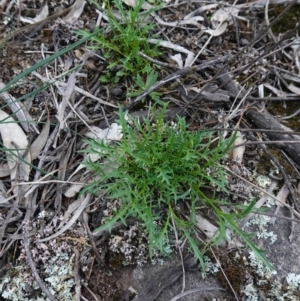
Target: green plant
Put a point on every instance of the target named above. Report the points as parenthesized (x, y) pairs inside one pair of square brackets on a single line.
[(154, 168), (123, 39), (151, 77)]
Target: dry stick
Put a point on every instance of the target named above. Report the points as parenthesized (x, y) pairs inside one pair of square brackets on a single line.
[(275, 98), (262, 190), (277, 216), (90, 293), (285, 177), (31, 26), (271, 157), (8, 217), (49, 144), (291, 162), (63, 163), (237, 36), (51, 181), (174, 76), (260, 36), (146, 57), (27, 188), (20, 192), (290, 116), (280, 77), (280, 142), (241, 70), (251, 130), (187, 70), (76, 275), (30, 260), (84, 220), (292, 228), (267, 20)]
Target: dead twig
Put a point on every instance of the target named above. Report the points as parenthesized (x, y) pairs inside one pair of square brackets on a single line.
[(76, 275), (30, 260), (280, 142), (277, 216), (96, 299), (84, 220), (178, 74), (157, 62), (31, 26), (262, 190)]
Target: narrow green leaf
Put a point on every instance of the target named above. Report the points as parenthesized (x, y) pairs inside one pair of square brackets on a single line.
[(47, 61)]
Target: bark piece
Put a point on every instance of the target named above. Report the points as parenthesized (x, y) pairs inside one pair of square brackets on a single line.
[(264, 120)]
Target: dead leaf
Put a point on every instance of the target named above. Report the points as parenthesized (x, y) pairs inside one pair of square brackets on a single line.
[(207, 227), (210, 231), (72, 190), (71, 208), (4, 170), (40, 141), (282, 195), (178, 59), (76, 11), (174, 47), (201, 9), (186, 21), (218, 31), (224, 14), (19, 110), (259, 203), (237, 153), (84, 203), (294, 89), (65, 100), (16, 143), (277, 92), (43, 14), (112, 133)]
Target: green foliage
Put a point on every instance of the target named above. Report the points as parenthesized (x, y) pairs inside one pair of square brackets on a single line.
[(126, 36), (155, 167), (151, 77)]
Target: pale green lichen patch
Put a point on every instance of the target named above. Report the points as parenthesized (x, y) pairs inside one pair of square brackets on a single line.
[(263, 181), (18, 284), (54, 261), (255, 290)]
